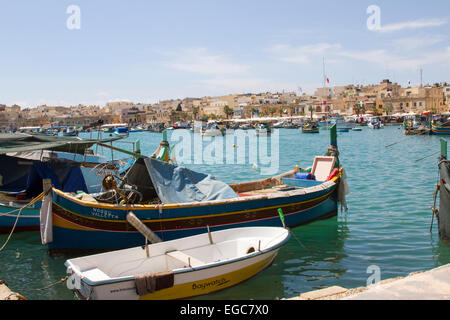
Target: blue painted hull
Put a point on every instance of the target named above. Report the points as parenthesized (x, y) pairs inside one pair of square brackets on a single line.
[(28, 220), (84, 227)]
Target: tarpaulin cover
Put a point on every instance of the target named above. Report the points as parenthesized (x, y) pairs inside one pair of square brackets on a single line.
[(175, 184), (64, 177)]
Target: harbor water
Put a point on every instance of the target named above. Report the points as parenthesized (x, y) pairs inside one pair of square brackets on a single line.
[(386, 228)]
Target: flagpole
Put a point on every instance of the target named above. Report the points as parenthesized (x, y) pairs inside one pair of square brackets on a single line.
[(324, 73)]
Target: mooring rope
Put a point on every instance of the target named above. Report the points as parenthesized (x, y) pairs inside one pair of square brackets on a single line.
[(38, 198), (434, 211)]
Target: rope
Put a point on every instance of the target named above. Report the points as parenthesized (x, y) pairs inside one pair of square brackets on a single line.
[(301, 244), (38, 198), (54, 284), (434, 211)]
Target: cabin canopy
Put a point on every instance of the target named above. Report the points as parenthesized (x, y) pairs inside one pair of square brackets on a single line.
[(21, 142)]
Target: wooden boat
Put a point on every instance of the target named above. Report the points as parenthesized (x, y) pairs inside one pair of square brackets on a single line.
[(24, 166), (70, 132), (440, 128), (357, 129), (121, 131), (177, 269), (375, 123), (262, 129), (171, 204), (310, 127), (342, 124)]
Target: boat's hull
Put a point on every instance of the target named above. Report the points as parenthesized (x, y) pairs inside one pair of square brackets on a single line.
[(187, 284), (310, 130), (27, 221), (80, 225), (440, 130)]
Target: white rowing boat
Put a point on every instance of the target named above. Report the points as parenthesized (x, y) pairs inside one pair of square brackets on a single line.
[(177, 269)]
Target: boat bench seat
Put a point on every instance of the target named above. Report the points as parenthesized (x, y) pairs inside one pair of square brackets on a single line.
[(186, 259)]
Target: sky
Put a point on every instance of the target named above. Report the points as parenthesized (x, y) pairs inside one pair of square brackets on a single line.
[(146, 51)]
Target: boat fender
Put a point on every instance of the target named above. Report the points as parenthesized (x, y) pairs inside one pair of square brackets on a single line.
[(332, 174)]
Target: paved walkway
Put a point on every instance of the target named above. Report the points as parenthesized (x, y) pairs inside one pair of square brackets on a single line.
[(429, 285)]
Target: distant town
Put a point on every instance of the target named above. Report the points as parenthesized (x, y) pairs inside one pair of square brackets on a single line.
[(383, 99)]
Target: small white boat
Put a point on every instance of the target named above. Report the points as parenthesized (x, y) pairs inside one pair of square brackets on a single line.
[(375, 123), (177, 269)]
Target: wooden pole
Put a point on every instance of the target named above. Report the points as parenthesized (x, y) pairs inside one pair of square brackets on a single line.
[(142, 228), (333, 136), (210, 236), (46, 185)]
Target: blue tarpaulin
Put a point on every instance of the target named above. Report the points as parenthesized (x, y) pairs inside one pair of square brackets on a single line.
[(75, 181), (64, 177), (175, 184)]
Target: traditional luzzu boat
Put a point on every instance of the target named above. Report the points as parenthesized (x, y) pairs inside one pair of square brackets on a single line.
[(25, 165), (176, 202), (177, 269), (310, 127), (441, 128)]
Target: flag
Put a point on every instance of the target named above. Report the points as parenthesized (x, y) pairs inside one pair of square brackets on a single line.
[(328, 80)]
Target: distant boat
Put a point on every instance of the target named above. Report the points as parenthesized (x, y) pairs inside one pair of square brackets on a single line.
[(181, 125), (137, 129), (121, 131), (70, 132), (179, 269), (212, 130), (375, 123), (262, 129), (342, 125), (310, 127)]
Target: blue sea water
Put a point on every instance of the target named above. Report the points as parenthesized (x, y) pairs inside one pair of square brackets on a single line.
[(387, 224)]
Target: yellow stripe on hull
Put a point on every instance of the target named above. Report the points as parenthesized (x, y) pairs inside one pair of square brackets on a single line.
[(210, 285)]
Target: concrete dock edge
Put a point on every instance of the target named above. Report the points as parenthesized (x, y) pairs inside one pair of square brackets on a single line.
[(428, 285)]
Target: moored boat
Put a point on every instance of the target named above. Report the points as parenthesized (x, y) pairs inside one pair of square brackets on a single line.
[(375, 123), (178, 269), (177, 202), (440, 128), (262, 129), (70, 132), (342, 124), (25, 166), (310, 127), (121, 131)]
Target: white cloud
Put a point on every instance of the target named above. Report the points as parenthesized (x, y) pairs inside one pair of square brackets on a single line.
[(411, 43), (103, 94), (302, 54), (198, 60), (416, 24)]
